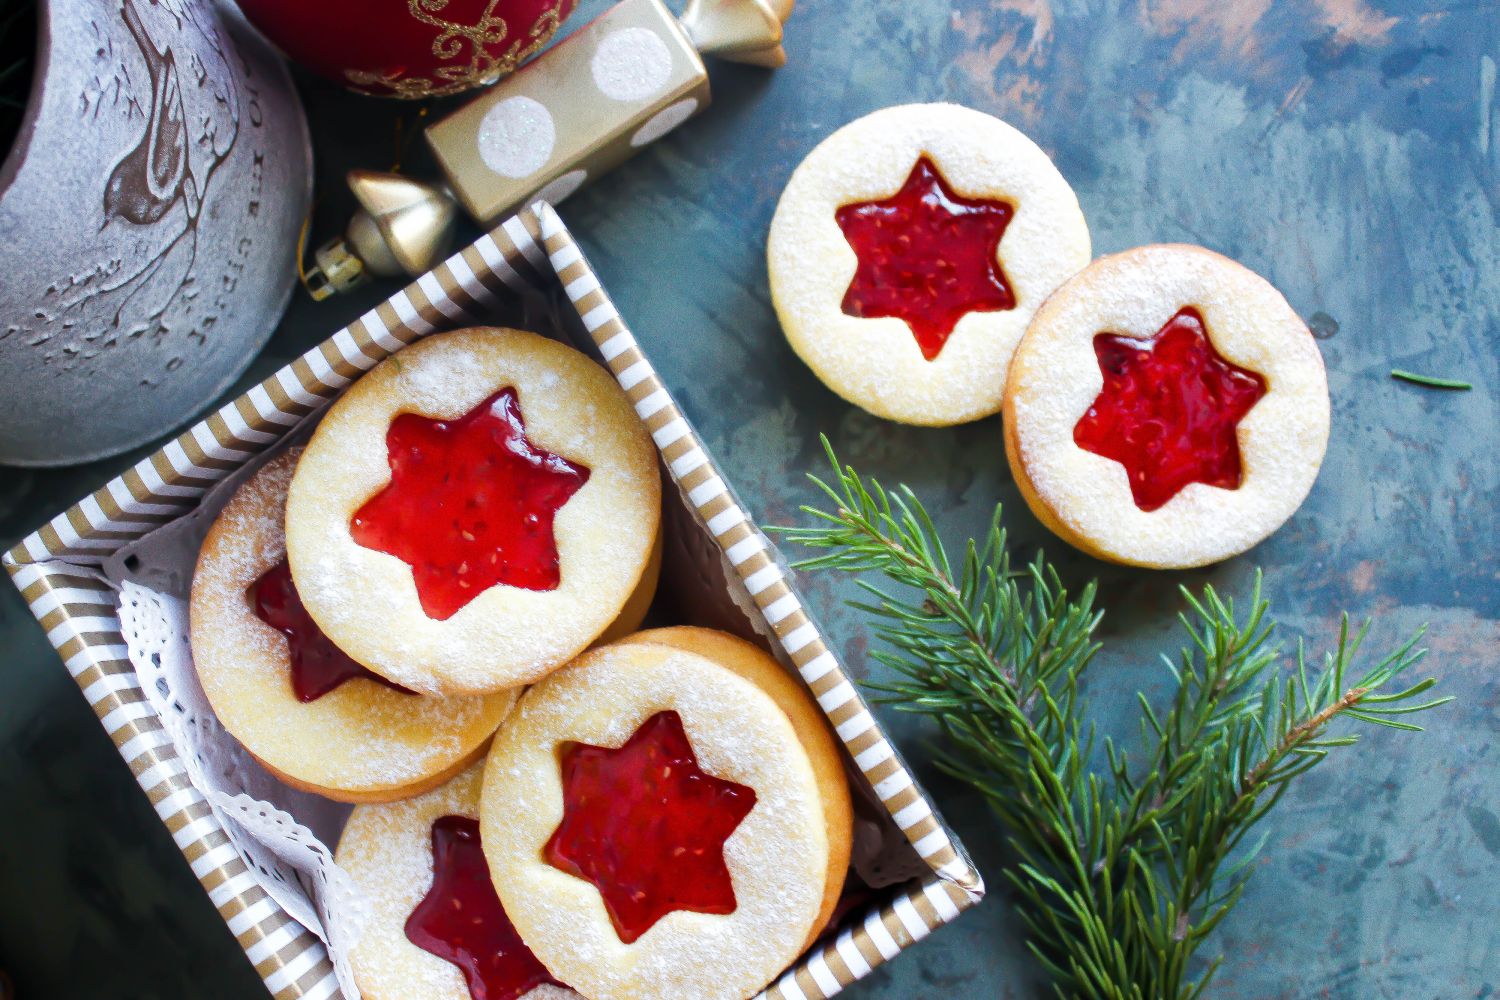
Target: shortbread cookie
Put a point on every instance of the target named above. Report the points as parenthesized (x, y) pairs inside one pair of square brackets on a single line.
[(436, 929), (908, 253), (1167, 408), (808, 721), (636, 607), (654, 827), (474, 511), (308, 712)]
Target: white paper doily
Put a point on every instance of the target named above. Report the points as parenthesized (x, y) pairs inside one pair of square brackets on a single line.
[(287, 859)]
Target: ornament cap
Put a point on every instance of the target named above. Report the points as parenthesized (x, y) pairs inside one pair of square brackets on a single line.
[(337, 269), (405, 226)]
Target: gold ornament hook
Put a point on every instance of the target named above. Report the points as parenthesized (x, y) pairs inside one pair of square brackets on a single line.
[(403, 227)]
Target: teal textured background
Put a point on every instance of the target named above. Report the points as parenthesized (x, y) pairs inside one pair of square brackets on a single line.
[(1348, 150)]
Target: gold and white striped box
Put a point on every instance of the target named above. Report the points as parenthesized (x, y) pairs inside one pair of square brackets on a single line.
[(530, 255)]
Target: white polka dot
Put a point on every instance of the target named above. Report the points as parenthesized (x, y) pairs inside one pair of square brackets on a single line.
[(632, 64), (664, 121), (516, 137), (561, 187)]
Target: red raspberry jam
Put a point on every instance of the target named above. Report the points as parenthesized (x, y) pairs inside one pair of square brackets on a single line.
[(927, 256), (1168, 410), (470, 504), (318, 666), (646, 827), (460, 920)]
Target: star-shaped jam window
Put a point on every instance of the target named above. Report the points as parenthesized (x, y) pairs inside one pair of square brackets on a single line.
[(646, 826), (470, 504), (461, 920), (927, 256), (1169, 410), (317, 665)]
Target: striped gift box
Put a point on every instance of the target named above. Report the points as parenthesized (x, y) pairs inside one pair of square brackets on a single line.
[(57, 570)]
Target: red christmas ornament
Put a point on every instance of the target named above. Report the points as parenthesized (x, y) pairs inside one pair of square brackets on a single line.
[(409, 48)]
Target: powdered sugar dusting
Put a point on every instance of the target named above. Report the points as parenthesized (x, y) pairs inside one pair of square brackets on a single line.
[(506, 636), (777, 857), (362, 738), (1056, 377), (812, 727), (876, 363), (387, 851)]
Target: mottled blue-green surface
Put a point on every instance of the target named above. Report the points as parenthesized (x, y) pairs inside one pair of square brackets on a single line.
[(1346, 149)]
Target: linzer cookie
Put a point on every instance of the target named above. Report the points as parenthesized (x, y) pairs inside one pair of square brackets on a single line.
[(295, 701), (639, 603), (655, 827), (808, 721), (436, 928), (473, 512), (1166, 408), (909, 251)]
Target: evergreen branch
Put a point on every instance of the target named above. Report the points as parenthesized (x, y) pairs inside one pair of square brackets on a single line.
[(1122, 872)]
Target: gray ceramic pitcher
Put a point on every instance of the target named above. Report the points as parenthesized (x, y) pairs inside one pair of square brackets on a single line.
[(149, 212)]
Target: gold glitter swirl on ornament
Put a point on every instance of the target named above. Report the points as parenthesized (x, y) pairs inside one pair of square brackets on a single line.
[(482, 68)]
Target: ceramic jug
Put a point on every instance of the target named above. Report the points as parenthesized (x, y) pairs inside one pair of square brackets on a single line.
[(149, 212)]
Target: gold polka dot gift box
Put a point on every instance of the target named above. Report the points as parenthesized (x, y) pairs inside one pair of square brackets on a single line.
[(617, 84), (715, 564)]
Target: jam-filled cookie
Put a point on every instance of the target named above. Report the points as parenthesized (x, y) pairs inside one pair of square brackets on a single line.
[(654, 827), (808, 721), (436, 928), (295, 700), (474, 511), (1167, 408), (639, 603), (909, 251)]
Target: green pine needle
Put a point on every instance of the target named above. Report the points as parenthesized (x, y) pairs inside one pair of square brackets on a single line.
[(1430, 381), (1121, 874)]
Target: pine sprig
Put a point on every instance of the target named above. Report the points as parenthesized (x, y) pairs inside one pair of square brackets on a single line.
[(1122, 871)]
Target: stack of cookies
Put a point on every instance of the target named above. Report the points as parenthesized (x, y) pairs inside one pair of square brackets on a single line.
[(432, 610)]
